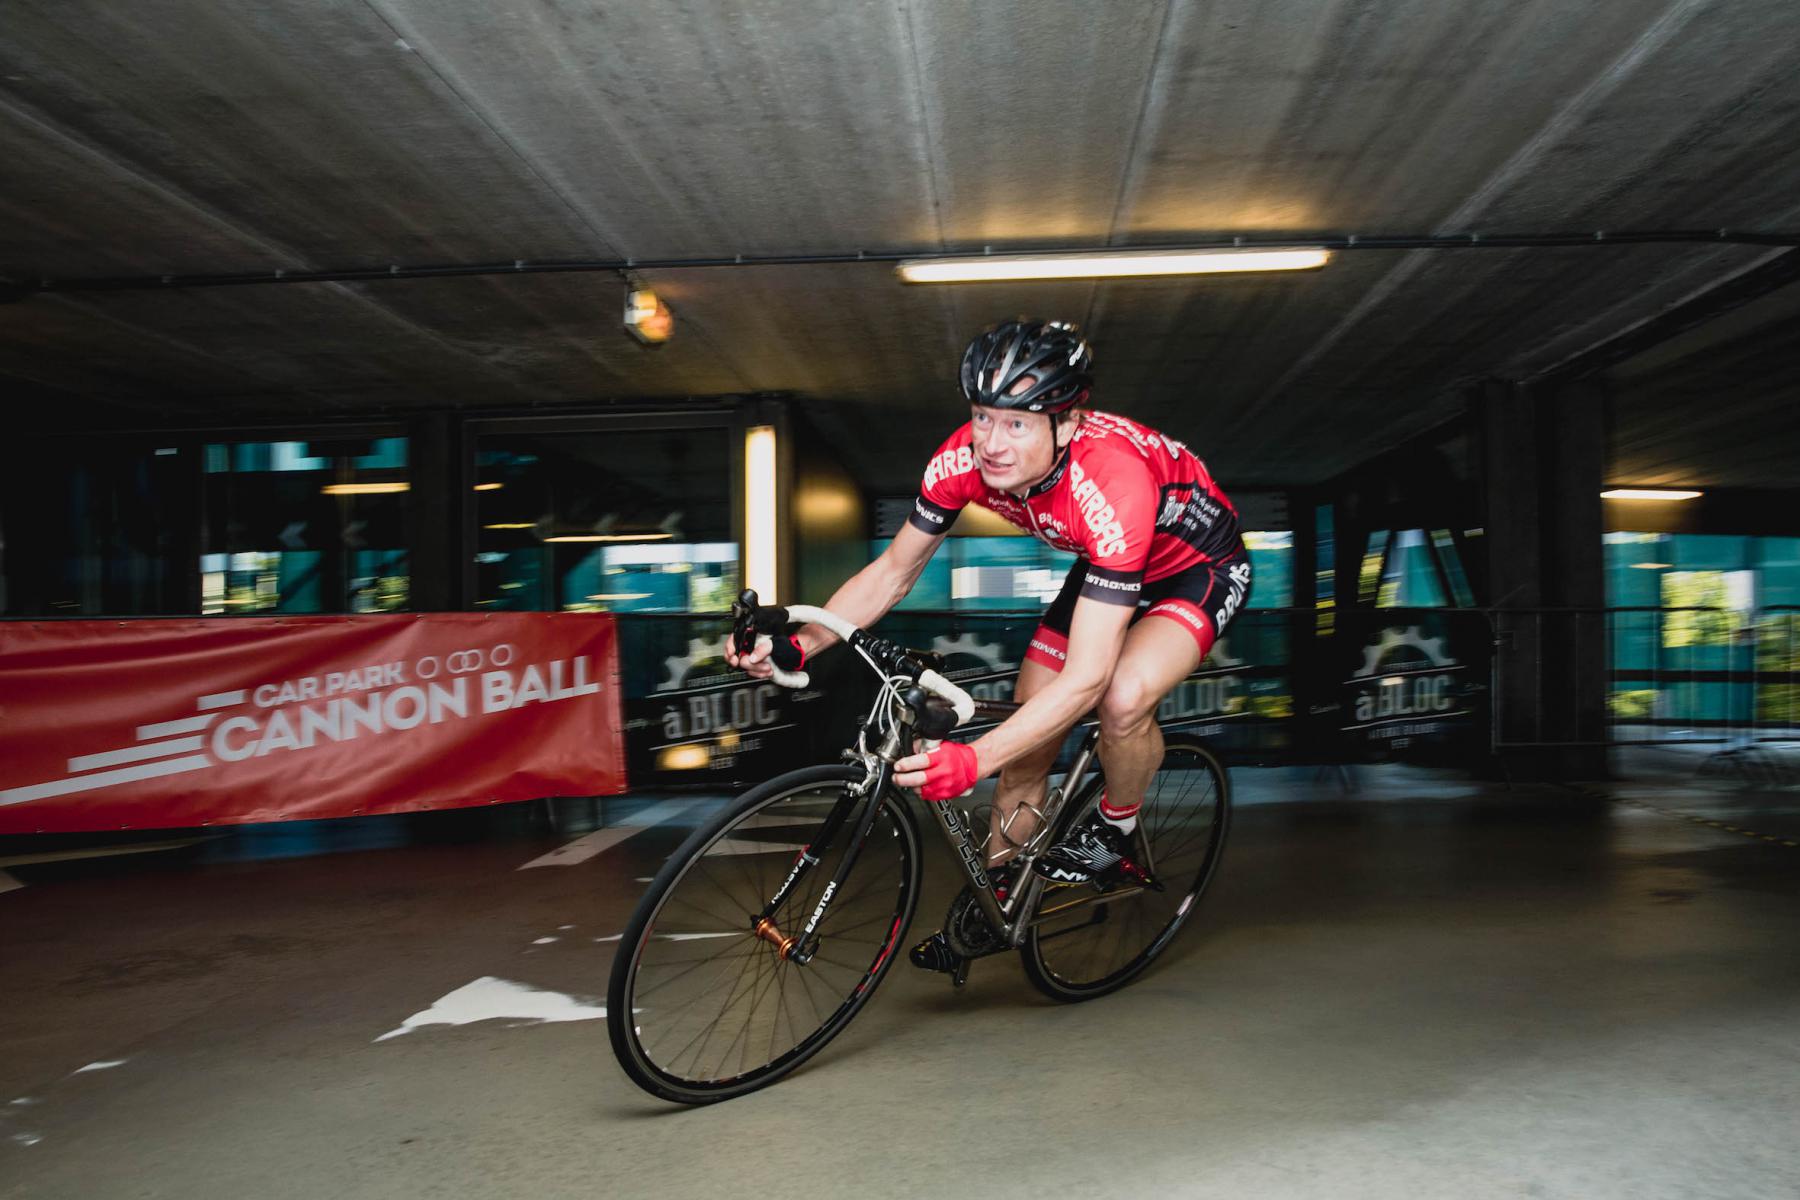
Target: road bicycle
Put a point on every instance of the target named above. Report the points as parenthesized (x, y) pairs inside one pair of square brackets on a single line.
[(772, 925)]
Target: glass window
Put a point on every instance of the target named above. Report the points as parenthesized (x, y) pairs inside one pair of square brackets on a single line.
[(1409, 578), (1272, 568), (612, 521), (305, 527), (97, 527), (1325, 573)]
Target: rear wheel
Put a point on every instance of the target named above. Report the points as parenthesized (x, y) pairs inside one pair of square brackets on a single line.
[(1087, 940), (701, 1009)]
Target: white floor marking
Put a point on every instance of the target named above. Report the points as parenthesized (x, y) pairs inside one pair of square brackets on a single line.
[(771, 821), (105, 1065), (645, 879), (681, 937), (491, 999), (601, 840), (8, 883), (27, 1139), (544, 941), (20, 860), (564, 928), (744, 846)]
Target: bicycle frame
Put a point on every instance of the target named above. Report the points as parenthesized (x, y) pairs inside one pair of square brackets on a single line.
[(1006, 918)]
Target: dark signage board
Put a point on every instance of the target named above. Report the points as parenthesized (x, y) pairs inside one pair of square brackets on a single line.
[(1414, 682)]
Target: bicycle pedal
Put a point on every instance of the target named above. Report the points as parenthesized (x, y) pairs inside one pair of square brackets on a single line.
[(960, 975)]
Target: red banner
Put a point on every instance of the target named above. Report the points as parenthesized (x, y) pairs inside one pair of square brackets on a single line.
[(157, 723)]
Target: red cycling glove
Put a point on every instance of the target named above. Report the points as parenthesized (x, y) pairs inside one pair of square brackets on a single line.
[(951, 772)]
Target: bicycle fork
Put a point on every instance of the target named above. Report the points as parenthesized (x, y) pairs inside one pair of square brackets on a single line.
[(799, 949)]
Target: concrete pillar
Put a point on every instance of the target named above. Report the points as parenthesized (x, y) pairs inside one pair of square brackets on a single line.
[(1543, 465), (442, 568)]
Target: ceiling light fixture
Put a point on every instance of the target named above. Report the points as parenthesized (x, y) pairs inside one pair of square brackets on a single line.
[(489, 487), (1107, 264), (364, 489), (647, 318), (1648, 494), (610, 537)]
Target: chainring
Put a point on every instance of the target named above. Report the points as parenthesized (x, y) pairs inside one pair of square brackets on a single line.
[(966, 927)]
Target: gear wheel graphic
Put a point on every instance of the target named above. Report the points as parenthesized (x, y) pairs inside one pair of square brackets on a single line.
[(1393, 638), (1221, 655), (991, 656), (677, 666)]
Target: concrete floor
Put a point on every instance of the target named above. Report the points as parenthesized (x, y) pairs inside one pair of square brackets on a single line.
[(1427, 987)]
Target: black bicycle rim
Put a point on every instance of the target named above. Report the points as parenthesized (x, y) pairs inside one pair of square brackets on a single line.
[(1099, 943), (699, 1008)]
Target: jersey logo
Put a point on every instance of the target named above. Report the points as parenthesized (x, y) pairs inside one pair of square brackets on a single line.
[(1109, 534), (959, 461)]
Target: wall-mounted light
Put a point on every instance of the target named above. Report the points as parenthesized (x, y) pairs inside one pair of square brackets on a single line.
[(1648, 494), (364, 489), (1108, 264), (610, 537), (647, 317), (1653, 566), (489, 487), (760, 562)]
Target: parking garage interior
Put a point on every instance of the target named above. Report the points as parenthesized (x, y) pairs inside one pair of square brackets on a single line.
[(556, 325)]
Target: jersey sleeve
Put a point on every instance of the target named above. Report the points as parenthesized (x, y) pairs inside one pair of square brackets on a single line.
[(1115, 501), (950, 483)]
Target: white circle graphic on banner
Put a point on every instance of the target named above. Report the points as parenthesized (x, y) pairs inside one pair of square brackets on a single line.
[(503, 662), (431, 661)]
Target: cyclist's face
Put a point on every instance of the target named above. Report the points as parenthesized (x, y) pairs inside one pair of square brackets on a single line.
[(1013, 450)]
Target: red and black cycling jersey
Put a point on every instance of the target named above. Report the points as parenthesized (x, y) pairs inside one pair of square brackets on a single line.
[(1137, 505)]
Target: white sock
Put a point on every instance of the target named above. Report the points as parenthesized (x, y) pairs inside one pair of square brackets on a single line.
[(1124, 824)]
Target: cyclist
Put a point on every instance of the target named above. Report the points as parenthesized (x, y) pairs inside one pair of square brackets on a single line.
[(1157, 537)]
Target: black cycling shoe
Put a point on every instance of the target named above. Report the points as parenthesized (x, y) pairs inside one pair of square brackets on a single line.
[(1092, 850), (936, 953)]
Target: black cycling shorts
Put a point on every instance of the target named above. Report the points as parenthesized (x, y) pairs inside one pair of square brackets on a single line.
[(1202, 600)]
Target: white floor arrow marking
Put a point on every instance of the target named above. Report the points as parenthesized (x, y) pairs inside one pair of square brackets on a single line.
[(490, 999), (602, 840)]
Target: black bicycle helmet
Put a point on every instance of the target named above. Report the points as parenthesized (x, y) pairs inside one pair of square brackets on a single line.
[(1052, 353)]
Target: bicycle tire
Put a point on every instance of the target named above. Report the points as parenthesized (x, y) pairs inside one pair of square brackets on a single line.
[(720, 878), (1066, 957)]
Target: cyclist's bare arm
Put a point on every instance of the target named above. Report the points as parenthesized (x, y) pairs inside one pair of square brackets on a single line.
[(1096, 639), (864, 599)]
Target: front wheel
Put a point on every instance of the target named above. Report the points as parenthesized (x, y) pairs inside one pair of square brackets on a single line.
[(701, 1009), (1087, 941)]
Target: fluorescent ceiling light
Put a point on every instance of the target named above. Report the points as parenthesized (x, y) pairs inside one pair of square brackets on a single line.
[(1652, 566), (760, 525), (620, 596), (513, 525), (610, 537), (1647, 494), (1104, 264), (364, 489), (489, 487)]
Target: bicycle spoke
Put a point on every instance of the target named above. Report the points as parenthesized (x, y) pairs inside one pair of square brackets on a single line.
[(723, 1012), (1109, 940)]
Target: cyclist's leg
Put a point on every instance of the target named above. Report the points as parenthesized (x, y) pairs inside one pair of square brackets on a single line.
[(1185, 616), (1158, 655), (1024, 779)]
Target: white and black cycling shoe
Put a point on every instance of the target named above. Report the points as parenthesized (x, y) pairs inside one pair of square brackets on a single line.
[(1092, 850)]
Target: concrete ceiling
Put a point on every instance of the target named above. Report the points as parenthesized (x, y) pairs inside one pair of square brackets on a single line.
[(185, 136)]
